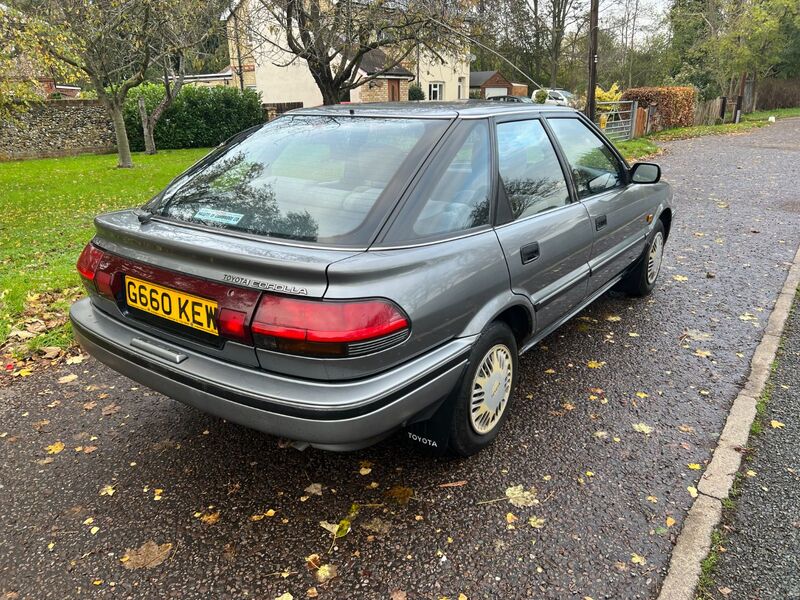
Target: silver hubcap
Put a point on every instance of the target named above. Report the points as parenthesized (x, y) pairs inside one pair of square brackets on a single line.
[(491, 389), (654, 257)]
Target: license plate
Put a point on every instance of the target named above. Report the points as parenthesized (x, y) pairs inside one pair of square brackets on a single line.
[(186, 309)]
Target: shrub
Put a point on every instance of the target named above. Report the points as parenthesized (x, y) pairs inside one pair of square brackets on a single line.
[(200, 117), (540, 96), (613, 94), (415, 92), (675, 105)]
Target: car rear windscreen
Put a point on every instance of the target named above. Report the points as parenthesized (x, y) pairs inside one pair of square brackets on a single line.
[(321, 179)]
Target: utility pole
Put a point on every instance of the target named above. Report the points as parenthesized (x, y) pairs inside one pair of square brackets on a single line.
[(590, 99)]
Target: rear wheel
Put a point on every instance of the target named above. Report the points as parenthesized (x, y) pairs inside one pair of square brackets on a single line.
[(484, 396), (642, 279)]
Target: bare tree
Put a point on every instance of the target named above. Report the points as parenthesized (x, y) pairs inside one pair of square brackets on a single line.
[(332, 38), (560, 14), (189, 26)]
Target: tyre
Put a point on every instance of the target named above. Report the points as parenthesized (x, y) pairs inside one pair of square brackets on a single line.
[(642, 278), (484, 396)]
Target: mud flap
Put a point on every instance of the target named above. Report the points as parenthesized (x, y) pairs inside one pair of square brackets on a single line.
[(433, 432)]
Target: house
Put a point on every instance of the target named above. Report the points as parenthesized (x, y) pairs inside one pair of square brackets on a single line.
[(487, 84), (284, 79)]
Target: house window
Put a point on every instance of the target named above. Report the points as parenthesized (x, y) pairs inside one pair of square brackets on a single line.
[(435, 91), (460, 88)]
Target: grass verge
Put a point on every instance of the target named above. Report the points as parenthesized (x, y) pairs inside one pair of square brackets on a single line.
[(46, 212)]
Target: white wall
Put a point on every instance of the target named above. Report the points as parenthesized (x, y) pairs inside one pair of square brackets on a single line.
[(432, 70)]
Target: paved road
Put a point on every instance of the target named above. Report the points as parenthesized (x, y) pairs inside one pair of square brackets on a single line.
[(761, 560), (738, 228)]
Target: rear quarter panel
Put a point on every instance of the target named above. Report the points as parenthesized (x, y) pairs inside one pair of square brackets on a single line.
[(448, 289)]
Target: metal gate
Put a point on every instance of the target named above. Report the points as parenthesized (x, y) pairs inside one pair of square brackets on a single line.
[(616, 119)]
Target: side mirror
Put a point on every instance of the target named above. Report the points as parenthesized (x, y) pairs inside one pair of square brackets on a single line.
[(645, 173)]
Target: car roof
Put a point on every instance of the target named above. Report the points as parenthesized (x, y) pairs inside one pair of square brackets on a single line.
[(448, 110)]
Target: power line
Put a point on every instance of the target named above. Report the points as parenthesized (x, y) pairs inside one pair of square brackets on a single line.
[(485, 47)]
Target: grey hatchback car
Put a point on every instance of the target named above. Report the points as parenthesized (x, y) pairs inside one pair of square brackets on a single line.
[(344, 272)]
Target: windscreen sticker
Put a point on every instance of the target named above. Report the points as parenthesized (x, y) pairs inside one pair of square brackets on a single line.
[(218, 216)]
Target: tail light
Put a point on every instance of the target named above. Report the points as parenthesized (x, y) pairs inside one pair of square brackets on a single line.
[(327, 328), (88, 263)]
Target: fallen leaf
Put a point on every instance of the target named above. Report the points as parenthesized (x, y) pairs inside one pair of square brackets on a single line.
[(377, 525), (312, 592), (325, 573), (725, 591), (613, 318), (692, 491), (67, 378), (536, 522), (89, 405), (594, 364), (76, 360), (638, 559), (210, 518), (642, 395), (702, 353), (398, 595), (652, 499), (94, 530), (680, 278), (776, 424), (643, 428), (55, 448), (694, 466), (315, 489), (520, 497), (400, 494), (110, 409), (107, 490), (686, 429), (601, 435), (511, 518), (670, 521), (750, 473), (285, 596), (147, 556)]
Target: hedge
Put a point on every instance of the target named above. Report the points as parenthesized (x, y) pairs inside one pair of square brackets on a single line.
[(200, 117), (675, 104)]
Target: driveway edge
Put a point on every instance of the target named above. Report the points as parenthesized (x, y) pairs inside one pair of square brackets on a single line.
[(694, 540)]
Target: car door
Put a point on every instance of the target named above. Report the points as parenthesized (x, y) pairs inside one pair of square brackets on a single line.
[(546, 236), (618, 210)]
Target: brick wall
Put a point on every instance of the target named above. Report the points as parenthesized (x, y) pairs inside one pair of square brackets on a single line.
[(57, 128), (380, 91)]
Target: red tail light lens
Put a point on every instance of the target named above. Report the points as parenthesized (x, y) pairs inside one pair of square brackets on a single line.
[(89, 260), (325, 328), (232, 324)]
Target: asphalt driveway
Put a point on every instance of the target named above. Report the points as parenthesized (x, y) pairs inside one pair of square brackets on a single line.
[(615, 412)]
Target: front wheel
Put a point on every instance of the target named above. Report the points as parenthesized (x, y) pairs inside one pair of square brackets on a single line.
[(642, 279), (484, 396)]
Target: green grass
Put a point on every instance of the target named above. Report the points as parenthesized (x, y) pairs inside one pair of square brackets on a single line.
[(778, 113), (635, 149), (46, 212)]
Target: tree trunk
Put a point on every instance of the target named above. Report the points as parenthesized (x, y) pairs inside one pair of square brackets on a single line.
[(124, 159), (147, 128)]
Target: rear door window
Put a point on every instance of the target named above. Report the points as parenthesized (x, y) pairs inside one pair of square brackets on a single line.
[(320, 179), (530, 173), (453, 194)]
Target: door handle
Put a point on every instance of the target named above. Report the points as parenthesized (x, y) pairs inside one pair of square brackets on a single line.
[(600, 222), (529, 253)]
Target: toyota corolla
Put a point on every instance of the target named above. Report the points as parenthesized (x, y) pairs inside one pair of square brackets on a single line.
[(341, 273)]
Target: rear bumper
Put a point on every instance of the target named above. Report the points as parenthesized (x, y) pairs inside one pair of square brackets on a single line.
[(338, 415)]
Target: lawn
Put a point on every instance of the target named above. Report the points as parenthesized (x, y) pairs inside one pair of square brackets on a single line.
[(46, 211), (646, 146)]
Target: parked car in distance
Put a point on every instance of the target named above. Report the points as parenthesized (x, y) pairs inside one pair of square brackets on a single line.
[(558, 97), (519, 99), (343, 272)]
